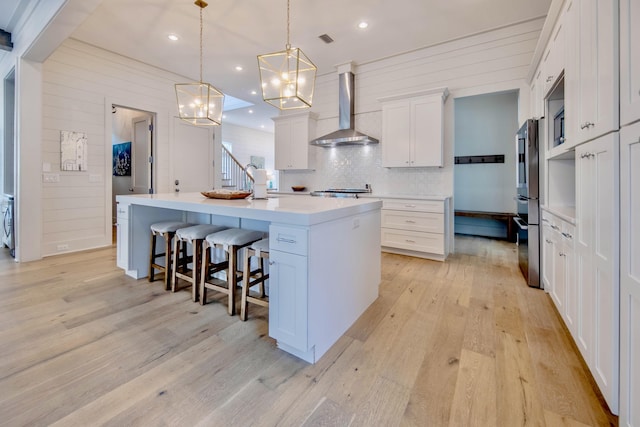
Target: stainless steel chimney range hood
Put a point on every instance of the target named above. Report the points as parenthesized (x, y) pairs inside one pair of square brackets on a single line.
[(346, 134)]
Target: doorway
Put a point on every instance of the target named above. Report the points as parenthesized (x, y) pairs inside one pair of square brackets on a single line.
[(132, 141), (7, 166)]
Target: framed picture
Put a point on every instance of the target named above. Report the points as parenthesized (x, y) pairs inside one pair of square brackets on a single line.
[(73, 151), (258, 161), (122, 159)]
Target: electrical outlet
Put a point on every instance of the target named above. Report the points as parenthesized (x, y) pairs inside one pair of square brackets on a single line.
[(63, 247), (50, 177), (95, 177)]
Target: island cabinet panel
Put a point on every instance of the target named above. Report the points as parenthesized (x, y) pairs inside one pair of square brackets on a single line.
[(292, 134), (412, 129), (288, 299), (629, 62), (597, 262), (630, 275), (122, 236)]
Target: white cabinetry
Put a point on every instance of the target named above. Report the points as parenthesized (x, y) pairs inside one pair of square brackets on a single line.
[(122, 236), (292, 133), (595, 101), (629, 61), (416, 227), (558, 269), (553, 58), (630, 275), (412, 129), (597, 264), (288, 288)]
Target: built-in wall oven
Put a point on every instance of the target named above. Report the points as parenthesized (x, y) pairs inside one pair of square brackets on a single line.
[(527, 219)]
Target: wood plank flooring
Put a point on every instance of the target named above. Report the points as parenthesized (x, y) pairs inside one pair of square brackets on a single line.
[(459, 343)]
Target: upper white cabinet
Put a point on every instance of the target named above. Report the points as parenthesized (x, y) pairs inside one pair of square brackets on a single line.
[(552, 64), (412, 129), (292, 133), (630, 275), (594, 103), (597, 262), (629, 61)]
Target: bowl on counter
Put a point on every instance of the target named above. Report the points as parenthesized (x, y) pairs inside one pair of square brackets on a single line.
[(298, 187)]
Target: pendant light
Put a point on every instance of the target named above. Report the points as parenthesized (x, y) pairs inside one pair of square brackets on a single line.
[(287, 77), (200, 103)]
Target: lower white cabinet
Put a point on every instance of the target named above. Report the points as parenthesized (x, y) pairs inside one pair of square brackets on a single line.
[(558, 269), (630, 276), (597, 261), (288, 299), (416, 227), (288, 286)]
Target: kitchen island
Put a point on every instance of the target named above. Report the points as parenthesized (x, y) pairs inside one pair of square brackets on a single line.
[(324, 256)]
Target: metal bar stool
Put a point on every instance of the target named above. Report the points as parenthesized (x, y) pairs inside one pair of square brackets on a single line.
[(260, 250), (231, 241), (194, 236), (166, 230)]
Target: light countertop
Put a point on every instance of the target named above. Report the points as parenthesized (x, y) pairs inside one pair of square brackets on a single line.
[(280, 208)]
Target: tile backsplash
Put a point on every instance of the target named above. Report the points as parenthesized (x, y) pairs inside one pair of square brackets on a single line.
[(355, 166)]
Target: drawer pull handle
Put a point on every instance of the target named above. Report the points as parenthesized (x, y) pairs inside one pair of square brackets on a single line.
[(547, 240), (545, 220), (410, 221), (410, 241), (283, 240), (555, 227), (409, 206), (567, 235)]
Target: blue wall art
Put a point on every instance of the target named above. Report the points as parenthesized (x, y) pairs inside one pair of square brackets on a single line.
[(122, 159)]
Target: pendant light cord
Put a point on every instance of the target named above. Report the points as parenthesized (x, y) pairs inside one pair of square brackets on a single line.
[(201, 43), (288, 46)]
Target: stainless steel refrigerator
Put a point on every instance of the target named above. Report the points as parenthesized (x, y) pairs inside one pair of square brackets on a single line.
[(528, 190)]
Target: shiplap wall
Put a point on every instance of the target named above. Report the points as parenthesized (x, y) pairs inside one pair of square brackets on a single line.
[(494, 61), (80, 82)]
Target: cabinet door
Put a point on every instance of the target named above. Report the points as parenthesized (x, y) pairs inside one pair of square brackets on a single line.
[(598, 92), (571, 297), (629, 61), (396, 134), (282, 137), (426, 116), (548, 257), (299, 144), (597, 228), (630, 276), (288, 299)]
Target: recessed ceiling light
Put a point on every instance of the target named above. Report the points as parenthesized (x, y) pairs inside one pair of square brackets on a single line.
[(253, 92), (238, 68), (262, 126), (172, 37), (362, 25), (224, 116), (250, 111)]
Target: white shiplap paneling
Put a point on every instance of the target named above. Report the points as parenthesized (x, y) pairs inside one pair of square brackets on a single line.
[(80, 82)]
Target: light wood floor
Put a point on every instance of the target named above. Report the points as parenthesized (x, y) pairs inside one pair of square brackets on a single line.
[(459, 343)]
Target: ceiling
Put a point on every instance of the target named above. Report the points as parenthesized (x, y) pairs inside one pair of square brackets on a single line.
[(235, 31)]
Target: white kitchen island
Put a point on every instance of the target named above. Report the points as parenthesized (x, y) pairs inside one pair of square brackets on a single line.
[(324, 256)]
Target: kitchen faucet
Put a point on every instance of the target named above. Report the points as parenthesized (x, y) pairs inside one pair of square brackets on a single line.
[(249, 182)]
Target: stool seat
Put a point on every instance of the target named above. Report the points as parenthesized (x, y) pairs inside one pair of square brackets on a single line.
[(234, 237), (169, 226), (198, 231), (193, 235), (260, 250), (231, 241), (167, 230)]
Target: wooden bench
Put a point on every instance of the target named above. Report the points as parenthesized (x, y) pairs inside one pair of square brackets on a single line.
[(499, 216)]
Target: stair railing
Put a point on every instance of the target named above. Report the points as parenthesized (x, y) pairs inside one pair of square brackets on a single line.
[(234, 175)]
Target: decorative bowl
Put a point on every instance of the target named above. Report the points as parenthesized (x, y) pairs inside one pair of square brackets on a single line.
[(298, 188), (225, 194)]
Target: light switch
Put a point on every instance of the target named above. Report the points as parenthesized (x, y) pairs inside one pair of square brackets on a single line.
[(50, 177)]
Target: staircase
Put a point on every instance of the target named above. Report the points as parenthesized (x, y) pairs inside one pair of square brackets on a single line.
[(234, 175)]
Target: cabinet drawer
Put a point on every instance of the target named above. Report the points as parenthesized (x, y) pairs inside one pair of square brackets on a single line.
[(413, 221), (288, 239), (414, 241), (413, 205)]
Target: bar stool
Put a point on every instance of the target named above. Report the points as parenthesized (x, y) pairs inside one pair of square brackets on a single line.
[(166, 230), (231, 241), (259, 249), (194, 236)]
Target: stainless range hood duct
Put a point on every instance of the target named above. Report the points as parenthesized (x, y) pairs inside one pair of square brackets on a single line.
[(347, 134)]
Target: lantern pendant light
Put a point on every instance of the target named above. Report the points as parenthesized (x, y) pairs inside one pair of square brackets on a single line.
[(200, 103), (287, 77)]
